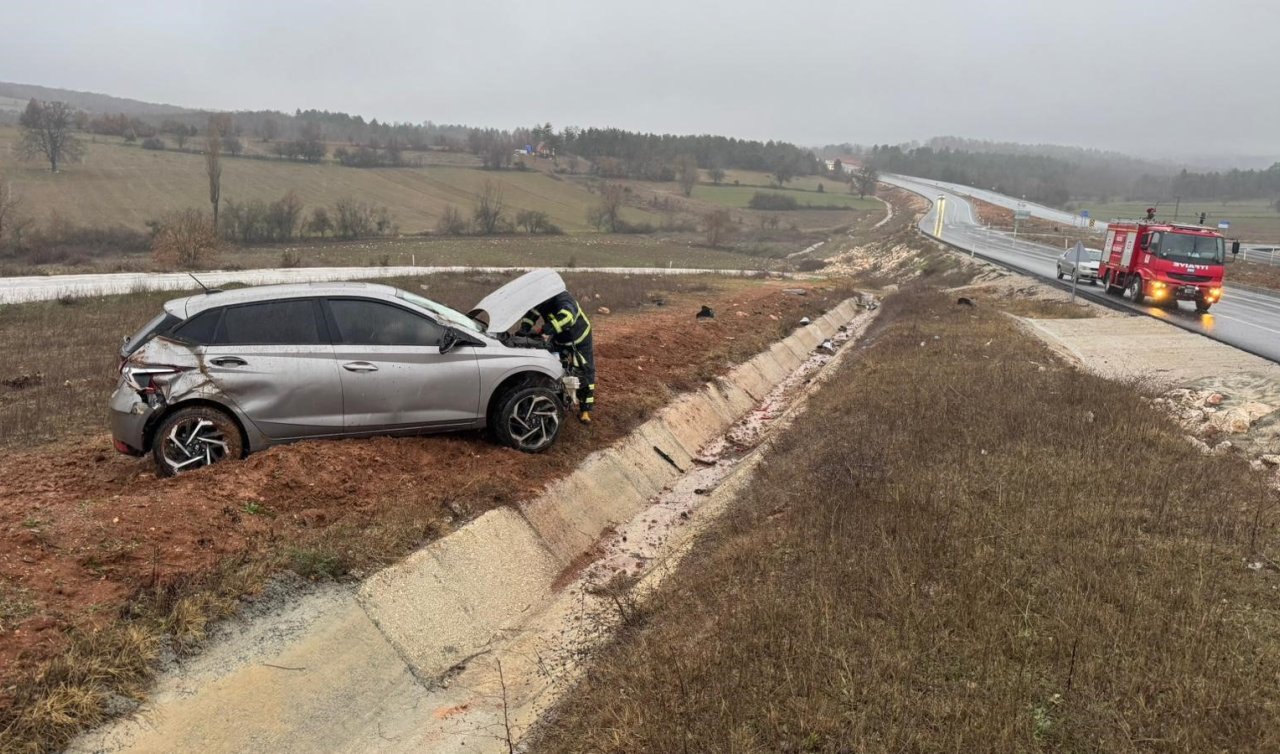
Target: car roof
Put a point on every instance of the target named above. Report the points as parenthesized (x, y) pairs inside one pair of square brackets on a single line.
[(189, 306)]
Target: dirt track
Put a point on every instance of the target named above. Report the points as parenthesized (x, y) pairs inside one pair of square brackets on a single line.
[(83, 530)]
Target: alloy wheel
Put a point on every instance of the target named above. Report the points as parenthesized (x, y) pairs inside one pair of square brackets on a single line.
[(534, 422), (193, 443)]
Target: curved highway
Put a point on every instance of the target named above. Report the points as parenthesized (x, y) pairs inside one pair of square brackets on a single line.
[(1245, 318)]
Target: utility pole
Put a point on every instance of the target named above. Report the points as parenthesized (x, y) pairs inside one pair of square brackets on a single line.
[(1177, 202)]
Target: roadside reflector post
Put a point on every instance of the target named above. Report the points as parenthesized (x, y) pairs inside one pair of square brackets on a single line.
[(1075, 269)]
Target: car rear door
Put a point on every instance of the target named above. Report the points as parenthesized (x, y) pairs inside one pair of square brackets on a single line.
[(273, 360), (393, 374)]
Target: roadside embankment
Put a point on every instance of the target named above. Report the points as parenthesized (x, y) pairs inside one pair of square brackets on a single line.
[(966, 544), (360, 669)]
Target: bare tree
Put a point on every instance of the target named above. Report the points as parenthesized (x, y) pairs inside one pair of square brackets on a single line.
[(10, 205), (269, 130), (185, 240), (451, 223), (716, 174), (607, 215), (717, 224), (687, 174), (783, 171), (487, 214), (47, 131), (865, 178), (319, 224), (213, 165), (232, 145)]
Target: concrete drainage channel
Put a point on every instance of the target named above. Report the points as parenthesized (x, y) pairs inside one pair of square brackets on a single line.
[(464, 643)]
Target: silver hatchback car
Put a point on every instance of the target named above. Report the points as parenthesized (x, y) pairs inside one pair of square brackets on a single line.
[(222, 374)]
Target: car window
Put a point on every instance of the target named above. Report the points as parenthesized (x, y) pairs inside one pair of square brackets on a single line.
[(287, 323), (200, 329), (370, 323), (161, 322)]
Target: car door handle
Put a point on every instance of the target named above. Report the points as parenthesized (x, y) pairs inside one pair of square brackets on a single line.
[(229, 361), (360, 366)]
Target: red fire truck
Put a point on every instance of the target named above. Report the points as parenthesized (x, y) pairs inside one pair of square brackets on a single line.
[(1162, 263)]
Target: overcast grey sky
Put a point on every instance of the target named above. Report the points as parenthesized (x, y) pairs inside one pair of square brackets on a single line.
[(1179, 76)]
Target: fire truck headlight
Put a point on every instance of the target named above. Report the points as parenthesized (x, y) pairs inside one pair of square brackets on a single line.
[(1214, 294)]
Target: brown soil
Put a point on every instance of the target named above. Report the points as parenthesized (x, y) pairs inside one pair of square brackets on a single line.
[(84, 531)]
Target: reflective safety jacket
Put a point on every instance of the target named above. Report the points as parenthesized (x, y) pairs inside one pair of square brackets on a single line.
[(563, 319)]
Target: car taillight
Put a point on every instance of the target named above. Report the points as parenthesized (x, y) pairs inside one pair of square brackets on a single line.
[(142, 377)]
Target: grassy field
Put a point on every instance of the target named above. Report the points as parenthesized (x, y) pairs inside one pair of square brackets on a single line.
[(1251, 220), (119, 184), (916, 568), (737, 197)]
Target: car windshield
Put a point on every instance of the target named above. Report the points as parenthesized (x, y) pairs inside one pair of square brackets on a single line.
[(443, 312), (1183, 247)]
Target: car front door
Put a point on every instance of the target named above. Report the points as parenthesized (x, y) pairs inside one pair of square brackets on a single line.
[(393, 374), (274, 361)]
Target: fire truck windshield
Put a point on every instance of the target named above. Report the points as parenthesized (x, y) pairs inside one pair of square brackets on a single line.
[(1189, 249)]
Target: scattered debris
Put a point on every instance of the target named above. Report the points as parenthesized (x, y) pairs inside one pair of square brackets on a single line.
[(23, 381), (603, 310), (827, 346), (796, 291), (805, 320), (706, 313), (964, 301)]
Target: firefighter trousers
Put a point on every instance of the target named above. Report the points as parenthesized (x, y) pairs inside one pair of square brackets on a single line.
[(584, 361)]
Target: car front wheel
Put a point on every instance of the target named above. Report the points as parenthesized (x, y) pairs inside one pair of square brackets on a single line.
[(192, 438), (528, 419)]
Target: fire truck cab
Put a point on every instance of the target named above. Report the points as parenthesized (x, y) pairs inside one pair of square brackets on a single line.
[(1163, 263)]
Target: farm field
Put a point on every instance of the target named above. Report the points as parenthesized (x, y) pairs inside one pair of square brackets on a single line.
[(120, 184), (737, 197)]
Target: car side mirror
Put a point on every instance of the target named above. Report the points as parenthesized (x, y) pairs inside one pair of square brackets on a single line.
[(452, 339)]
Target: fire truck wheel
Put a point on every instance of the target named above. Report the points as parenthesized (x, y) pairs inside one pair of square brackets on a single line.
[(1135, 289), (1202, 306)]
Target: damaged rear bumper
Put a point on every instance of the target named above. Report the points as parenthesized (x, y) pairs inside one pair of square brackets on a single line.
[(130, 415)]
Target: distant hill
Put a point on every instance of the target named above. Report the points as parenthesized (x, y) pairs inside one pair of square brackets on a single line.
[(14, 97)]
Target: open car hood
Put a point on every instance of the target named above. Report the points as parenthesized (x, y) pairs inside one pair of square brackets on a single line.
[(503, 308)]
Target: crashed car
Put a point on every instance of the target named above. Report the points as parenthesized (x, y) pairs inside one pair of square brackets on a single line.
[(222, 374)]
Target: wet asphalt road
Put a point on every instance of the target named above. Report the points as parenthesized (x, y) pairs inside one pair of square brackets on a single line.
[(1245, 318)]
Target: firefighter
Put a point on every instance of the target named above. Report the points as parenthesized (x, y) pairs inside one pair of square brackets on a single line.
[(570, 332)]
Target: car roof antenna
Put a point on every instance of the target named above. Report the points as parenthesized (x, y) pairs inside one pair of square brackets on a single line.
[(206, 288)]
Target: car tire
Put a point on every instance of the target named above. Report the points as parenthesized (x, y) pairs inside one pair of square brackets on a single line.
[(195, 437), (1059, 273), (1135, 290), (528, 418)]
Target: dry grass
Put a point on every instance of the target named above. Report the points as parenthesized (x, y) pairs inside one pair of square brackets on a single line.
[(1253, 274), (949, 553), (105, 670), (58, 358)]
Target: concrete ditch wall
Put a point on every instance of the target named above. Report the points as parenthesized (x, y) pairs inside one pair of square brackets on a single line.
[(454, 598)]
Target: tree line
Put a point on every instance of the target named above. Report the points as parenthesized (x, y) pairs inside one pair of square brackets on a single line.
[(1059, 175)]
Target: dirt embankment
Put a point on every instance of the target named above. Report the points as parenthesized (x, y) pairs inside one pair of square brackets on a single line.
[(92, 542)]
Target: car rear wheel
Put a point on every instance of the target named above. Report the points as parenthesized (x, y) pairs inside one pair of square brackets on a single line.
[(528, 419), (192, 438)]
